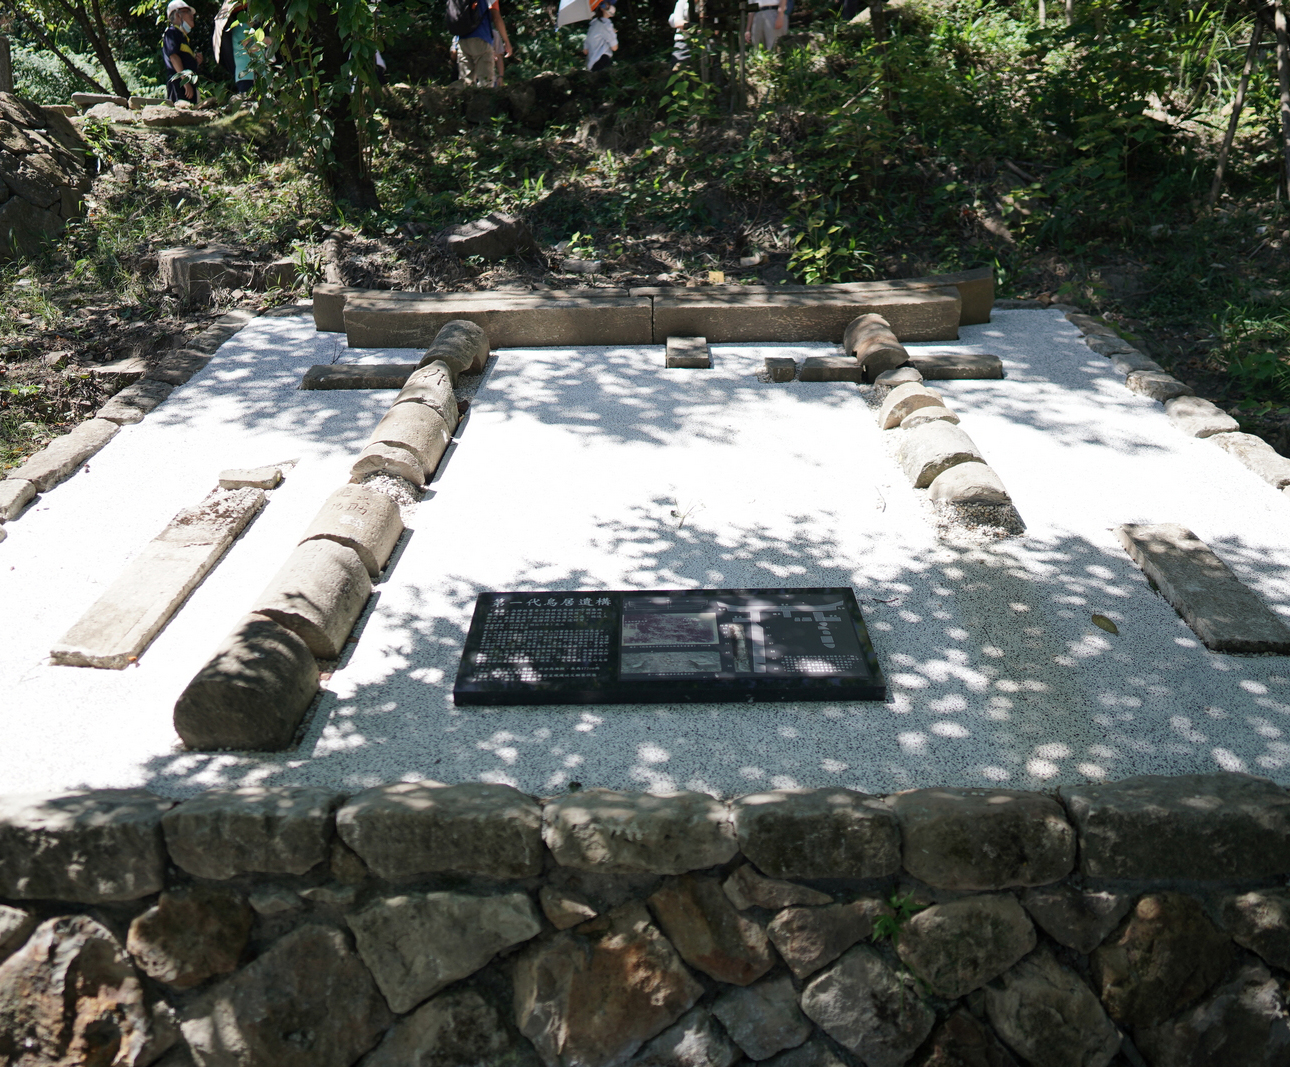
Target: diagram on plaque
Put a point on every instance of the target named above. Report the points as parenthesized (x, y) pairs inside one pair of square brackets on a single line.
[(695, 645)]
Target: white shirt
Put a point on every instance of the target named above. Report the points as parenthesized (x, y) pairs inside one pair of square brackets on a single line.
[(602, 39)]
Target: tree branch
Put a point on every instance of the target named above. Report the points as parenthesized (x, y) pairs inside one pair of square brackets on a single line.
[(44, 40)]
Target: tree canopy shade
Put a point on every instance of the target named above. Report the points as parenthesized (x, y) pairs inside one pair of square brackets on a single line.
[(43, 19)]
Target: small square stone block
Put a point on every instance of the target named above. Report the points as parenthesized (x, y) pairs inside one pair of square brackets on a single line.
[(781, 368), (831, 369), (250, 478), (688, 352)]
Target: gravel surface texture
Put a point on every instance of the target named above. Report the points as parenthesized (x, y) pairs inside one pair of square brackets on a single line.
[(598, 468)]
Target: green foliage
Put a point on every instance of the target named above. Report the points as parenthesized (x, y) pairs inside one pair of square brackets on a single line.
[(41, 76), (1254, 346), (902, 910)]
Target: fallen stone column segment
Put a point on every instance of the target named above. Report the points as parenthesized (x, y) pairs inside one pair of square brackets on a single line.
[(357, 376), (1209, 827), (61, 458), (818, 833), (956, 366), (379, 458), (135, 401), (461, 345), (510, 320), (741, 316), (367, 522), (831, 369), (410, 829), (1253, 452), (318, 595), (419, 429), (904, 400), (889, 379), (926, 451), (688, 352), (117, 628), (226, 833), (1199, 418), (875, 347), (90, 847), (1223, 612), (969, 483), (15, 495), (431, 385), (253, 692)]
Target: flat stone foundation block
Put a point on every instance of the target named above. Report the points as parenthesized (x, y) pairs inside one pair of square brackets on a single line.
[(724, 316), (431, 385), (61, 458), (1109, 346), (818, 833), (1209, 827), (904, 400), (253, 693), (1197, 417), (510, 320), (90, 847), (15, 495), (956, 366), (117, 628), (329, 306), (418, 428), (178, 367), (1157, 385), (688, 352), (361, 520), (250, 478), (781, 368), (1224, 613), (318, 595), (969, 483), (135, 401), (1254, 452), (357, 376), (831, 369), (926, 451), (461, 345), (389, 459)]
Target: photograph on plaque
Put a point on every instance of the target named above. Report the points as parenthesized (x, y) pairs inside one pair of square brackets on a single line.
[(668, 646)]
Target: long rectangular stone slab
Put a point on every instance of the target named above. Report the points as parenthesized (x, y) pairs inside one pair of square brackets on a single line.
[(511, 320), (1224, 613), (61, 458), (357, 376), (741, 316), (955, 366), (133, 610)]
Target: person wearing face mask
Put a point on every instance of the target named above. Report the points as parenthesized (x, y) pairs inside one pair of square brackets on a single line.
[(177, 54)]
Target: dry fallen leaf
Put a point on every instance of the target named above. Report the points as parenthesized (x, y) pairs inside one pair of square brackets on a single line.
[(1106, 624)]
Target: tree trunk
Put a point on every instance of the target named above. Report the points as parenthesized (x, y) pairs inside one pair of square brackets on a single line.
[(91, 24), (1237, 104), (6, 66), (49, 46), (346, 174), (1283, 75)]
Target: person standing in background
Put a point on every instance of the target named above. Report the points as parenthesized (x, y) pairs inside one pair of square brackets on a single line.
[(680, 39), (478, 67), (766, 24), (177, 55), (602, 38)]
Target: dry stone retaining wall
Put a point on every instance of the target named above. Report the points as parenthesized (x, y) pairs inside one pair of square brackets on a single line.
[(44, 171), (1143, 921)]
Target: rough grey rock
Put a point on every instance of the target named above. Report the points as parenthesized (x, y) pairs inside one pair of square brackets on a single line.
[(592, 997), (63, 456), (984, 838), (1244, 1021), (564, 908), (818, 833), (1207, 826), (958, 946), (318, 595), (637, 833), (15, 495), (432, 386), (71, 996), (331, 896), (925, 451), (1157, 385), (1049, 1017), (764, 1018), (89, 847), (191, 934), (252, 693), (26, 228), (362, 520), (962, 1041), (968, 483), (162, 116), (282, 1009), (85, 101), (194, 272), (455, 1029), (747, 888), (250, 478), (409, 829), (815, 1053), (694, 1040), (1108, 346), (135, 401), (708, 932), (904, 400), (16, 924), (1258, 920), (1078, 919), (1165, 955), (1197, 417), (868, 1009), (278, 829), (274, 900), (810, 938), (1089, 325), (417, 943), (1129, 359), (493, 237), (1253, 452)]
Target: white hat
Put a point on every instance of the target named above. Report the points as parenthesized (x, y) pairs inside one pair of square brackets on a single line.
[(177, 5)]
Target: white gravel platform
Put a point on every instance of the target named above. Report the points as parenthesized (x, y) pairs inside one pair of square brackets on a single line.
[(598, 468)]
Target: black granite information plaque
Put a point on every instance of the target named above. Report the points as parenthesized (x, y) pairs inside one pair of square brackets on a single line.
[(668, 646)]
